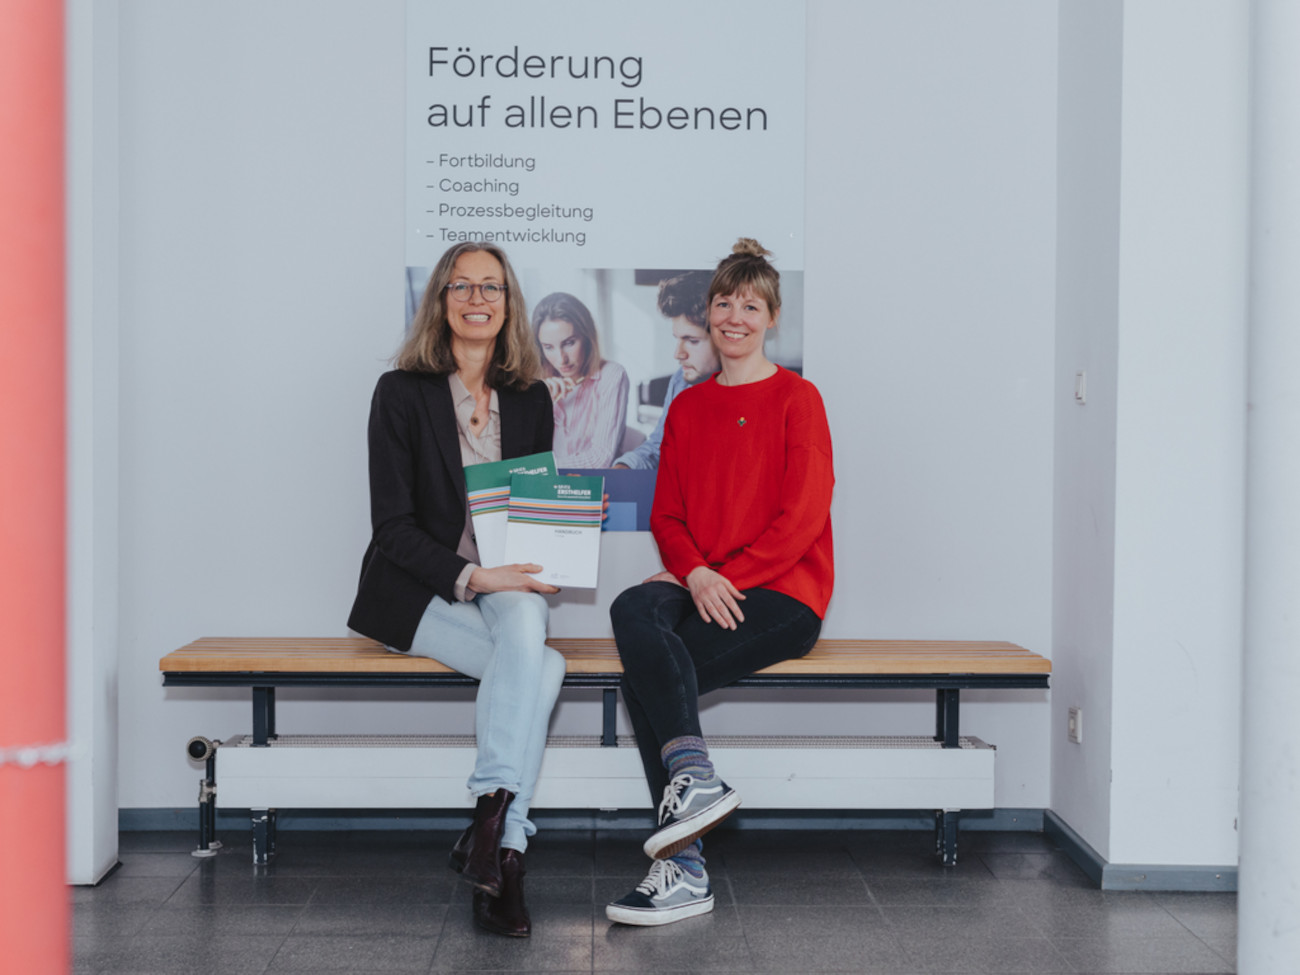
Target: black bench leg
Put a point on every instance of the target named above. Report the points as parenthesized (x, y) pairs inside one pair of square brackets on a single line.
[(945, 835), (609, 718), (263, 715), (947, 730), (947, 717), (263, 835)]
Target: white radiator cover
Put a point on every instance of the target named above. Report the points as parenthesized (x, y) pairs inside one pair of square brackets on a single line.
[(429, 772)]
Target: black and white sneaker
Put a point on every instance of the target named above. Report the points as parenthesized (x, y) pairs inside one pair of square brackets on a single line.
[(690, 809), (667, 894)]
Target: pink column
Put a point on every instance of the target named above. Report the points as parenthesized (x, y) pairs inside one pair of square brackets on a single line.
[(33, 893)]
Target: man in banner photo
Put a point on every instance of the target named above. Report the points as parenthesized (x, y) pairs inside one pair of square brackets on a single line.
[(681, 301)]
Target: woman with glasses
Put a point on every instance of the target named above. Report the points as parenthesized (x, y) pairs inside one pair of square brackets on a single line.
[(741, 516), (465, 391), (590, 393)]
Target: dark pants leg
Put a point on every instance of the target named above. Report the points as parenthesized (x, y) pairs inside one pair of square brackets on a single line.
[(671, 656)]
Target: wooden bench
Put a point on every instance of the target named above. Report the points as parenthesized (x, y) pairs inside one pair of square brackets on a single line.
[(266, 765)]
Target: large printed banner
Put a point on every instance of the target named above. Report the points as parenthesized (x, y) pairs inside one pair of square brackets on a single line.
[(611, 150)]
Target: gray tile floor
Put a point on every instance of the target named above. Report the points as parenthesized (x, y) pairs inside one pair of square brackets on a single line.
[(832, 901)]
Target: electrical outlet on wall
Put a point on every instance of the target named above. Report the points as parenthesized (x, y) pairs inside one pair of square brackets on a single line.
[(1075, 725)]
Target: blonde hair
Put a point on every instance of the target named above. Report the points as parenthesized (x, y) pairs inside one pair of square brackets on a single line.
[(427, 347), (747, 269)]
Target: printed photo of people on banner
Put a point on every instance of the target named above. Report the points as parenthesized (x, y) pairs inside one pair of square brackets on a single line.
[(617, 346)]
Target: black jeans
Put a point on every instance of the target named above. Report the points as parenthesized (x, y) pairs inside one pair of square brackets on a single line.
[(671, 656)]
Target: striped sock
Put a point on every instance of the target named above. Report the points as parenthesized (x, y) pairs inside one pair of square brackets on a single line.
[(687, 755), (691, 859)]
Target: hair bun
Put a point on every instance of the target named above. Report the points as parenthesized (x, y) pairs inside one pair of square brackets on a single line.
[(751, 247)]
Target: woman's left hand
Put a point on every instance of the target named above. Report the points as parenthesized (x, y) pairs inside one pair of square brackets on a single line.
[(517, 577), (716, 599)]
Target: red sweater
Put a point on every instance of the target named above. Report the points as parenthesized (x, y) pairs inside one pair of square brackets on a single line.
[(744, 487)]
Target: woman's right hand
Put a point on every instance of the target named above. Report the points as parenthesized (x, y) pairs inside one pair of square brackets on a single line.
[(514, 578), (560, 387), (716, 599)]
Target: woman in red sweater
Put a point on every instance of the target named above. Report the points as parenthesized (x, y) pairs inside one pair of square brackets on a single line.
[(742, 519)]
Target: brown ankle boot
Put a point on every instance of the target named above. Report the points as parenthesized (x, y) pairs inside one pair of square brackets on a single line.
[(477, 854), (506, 914)]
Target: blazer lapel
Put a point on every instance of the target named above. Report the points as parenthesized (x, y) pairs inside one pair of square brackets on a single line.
[(442, 420), (515, 441)]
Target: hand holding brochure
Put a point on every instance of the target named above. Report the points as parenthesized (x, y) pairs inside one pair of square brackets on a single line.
[(554, 521), (488, 489)]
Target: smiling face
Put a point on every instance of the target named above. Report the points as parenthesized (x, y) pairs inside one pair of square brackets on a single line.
[(693, 350), (475, 321), (739, 323), (562, 347)]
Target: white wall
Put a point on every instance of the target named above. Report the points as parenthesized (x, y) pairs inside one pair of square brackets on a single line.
[(1180, 445), (1087, 333), (929, 310), (1152, 258), (92, 179), (260, 290)]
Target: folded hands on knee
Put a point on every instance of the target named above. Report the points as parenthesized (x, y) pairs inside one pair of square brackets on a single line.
[(715, 598)]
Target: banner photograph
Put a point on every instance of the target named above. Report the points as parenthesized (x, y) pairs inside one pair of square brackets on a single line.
[(615, 176)]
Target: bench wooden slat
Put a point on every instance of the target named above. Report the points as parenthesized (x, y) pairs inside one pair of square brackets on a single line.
[(341, 655)]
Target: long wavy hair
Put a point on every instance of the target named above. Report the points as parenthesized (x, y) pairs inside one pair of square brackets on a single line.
[(427, 347), (561, 306)]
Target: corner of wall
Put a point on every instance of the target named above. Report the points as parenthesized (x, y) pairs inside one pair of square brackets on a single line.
[(1087, 281)]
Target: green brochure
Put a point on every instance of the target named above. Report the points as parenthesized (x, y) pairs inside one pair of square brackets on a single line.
[(488, 488), (554, 521)]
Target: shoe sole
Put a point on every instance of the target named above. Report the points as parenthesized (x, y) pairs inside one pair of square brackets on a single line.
[(504, 932), (675, 837), (459, 867), (655, 916)]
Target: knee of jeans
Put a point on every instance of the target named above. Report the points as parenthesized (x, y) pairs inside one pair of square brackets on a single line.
[(524, 613), (532, 660), (553, 670), (631, 607)]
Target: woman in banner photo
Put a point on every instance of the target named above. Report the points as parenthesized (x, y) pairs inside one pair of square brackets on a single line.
[(590, 393), (465, 391), (682, 302), (741, 516)]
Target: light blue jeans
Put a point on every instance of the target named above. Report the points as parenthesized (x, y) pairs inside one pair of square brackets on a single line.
[(500, 639)]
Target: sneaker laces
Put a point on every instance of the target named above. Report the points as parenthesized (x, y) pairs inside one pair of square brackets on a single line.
[(662, 875), (672, 801)]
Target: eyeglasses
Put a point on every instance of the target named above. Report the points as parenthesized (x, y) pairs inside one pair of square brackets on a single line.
[(488, 292)]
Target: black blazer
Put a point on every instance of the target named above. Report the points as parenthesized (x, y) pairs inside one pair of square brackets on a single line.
[(417, 496)]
